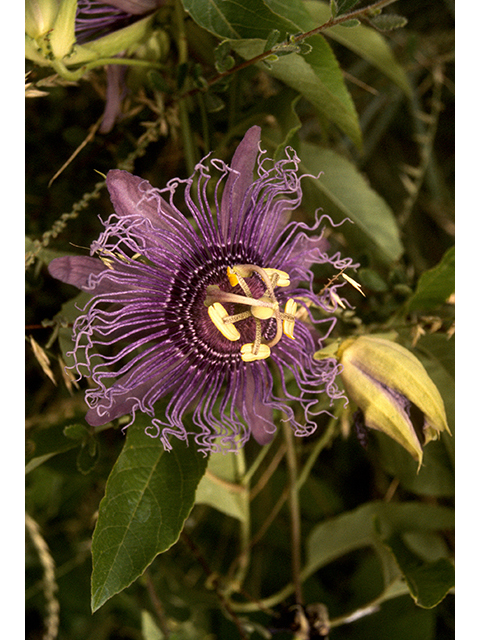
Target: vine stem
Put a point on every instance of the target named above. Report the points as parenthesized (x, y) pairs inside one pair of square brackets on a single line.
[(295, 520), (320, 445), (182, 44), (212, 579), (302, 575), (157, 605), (239, 568), (352, 15)]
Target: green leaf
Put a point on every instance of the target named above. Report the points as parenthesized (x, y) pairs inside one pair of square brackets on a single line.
[(435, 477), (293, 10), (357, 529), (435, 285), (148, 496), (272, 39), (428, 582), (344, 5), (350, 23), (343, 192), (317, 77), (370, 279), (283, 107), (47, 443), (88, 455), (388, 21), (235, 20), (364, 41), (219, 488)]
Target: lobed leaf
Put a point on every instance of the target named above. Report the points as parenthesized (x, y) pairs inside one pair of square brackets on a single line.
[(148, 496)]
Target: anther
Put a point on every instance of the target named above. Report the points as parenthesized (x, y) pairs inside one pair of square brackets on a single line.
[(278, 278), (236, 273), (232, 277), (218, 313), (289, 318), (251, 352)]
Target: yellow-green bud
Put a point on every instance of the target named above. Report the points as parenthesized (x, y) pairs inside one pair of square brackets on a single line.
[(384, 379)]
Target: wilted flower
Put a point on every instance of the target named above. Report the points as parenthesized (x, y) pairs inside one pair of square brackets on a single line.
[(72, 36), (198, 310), (49, 29), (66, 33), (386, 381)]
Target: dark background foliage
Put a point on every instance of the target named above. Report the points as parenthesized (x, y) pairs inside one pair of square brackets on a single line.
[(64, 492)]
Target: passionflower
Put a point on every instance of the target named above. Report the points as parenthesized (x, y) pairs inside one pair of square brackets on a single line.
[(202, 310), (387, 381)]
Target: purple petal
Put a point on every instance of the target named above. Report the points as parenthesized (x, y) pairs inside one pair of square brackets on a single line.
[(116, 406), (239, 180), (134, 196), (76, 270), (116, 91), (256, 413), (135, 7)]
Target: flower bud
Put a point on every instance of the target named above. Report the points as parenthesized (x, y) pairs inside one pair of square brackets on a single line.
[(385, 380)]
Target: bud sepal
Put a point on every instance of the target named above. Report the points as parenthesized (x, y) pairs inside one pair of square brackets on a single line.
[(385, 380)]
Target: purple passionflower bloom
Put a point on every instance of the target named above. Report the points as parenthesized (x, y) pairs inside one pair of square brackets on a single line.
[(197, 309)]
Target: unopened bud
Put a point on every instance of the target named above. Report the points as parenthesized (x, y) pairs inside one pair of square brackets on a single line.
[(384, 379)]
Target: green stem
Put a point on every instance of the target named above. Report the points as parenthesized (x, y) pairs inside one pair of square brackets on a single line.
[(320, 445), (182, 46), (242, 562), (295, 518), (76, 75), (256, 464), (299, 575)]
